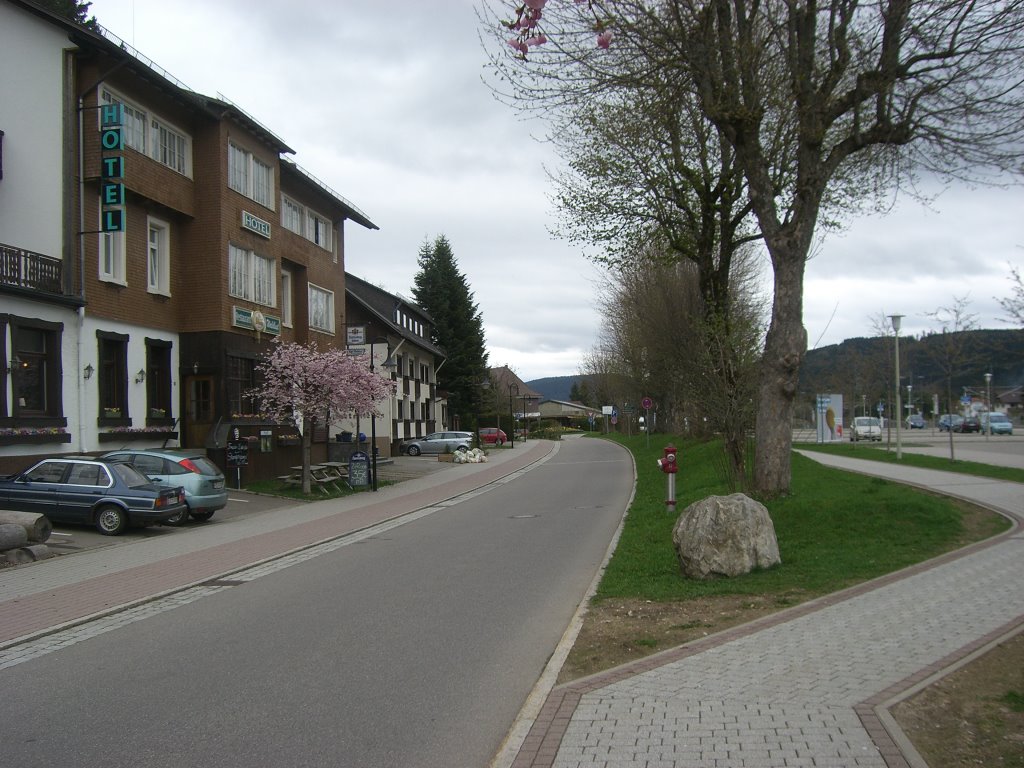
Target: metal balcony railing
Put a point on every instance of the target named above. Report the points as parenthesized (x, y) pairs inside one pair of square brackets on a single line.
[(34, 271)]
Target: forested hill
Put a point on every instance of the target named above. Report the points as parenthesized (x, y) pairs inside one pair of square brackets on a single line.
[(554, 387), (864, 366)]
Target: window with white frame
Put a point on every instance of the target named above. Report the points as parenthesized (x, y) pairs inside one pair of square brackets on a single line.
[(112, 257), (321, 309), (158, 258), (297, 218), (250, 176), (250, 276), (170, 147), (286, 297), (153, 136), (292, 215), (263, 280), (319, 230)]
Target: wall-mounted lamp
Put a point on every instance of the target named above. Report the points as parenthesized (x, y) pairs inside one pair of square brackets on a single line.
[(140, 376), (195, 368), (88, 371)]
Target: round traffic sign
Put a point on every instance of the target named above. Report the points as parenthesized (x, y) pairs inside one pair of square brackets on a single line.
[(647, 403)]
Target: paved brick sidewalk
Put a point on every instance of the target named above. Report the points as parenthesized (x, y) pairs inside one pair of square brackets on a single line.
[(40, 597), (806, 687)]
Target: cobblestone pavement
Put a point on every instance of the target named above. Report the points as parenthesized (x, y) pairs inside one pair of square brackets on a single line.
[(809, 686)]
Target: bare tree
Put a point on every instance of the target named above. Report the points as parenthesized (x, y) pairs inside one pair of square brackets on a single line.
[(1013, 304), (952, 351), (825, 102)]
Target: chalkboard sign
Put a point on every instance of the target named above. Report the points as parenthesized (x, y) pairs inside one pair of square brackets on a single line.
[(238, 453), (358, 469)]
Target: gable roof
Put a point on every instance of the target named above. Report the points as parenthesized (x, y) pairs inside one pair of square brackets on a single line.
[(382, 305), (504, 377)]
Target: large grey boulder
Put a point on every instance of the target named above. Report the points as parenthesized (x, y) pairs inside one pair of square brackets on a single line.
[(725, 536)]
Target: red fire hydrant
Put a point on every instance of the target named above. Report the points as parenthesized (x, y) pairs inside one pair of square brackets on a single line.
[(667, 464)]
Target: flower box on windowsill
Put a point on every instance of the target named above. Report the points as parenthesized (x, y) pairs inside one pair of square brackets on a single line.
[(34, 439), (122, 437), (283, 440)]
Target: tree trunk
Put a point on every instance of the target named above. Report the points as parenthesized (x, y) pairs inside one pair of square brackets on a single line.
[(784, 349)]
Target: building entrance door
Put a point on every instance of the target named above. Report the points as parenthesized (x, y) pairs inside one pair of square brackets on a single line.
[(200, 410)]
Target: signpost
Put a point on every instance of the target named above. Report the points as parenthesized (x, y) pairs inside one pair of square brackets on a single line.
[(238, 457), (647, 404)]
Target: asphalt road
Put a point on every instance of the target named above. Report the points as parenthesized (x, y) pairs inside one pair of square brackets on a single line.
[(413, 647)]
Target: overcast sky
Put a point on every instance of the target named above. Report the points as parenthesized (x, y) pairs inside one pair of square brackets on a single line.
[(384, 102)]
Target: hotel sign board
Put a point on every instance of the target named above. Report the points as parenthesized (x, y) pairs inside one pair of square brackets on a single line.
[(112, 168), (255, 224)]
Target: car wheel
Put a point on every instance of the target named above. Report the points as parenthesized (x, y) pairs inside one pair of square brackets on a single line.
[(204, 515), (111, 520), (414, 450), (499, 443), (462, 448), (179, 519)]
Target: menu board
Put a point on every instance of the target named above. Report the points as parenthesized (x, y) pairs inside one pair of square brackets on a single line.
[(358, 469), (238, 453)]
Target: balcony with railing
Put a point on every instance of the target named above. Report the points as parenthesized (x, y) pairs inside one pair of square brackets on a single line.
[(30, 271)]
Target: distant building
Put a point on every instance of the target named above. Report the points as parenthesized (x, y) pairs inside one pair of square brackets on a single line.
[(567, 412), (522, 401), (400, 333)]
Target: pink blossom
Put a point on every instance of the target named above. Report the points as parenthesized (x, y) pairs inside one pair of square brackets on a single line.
[(517, 45), (535, 5), (604, 39), (536, 40)]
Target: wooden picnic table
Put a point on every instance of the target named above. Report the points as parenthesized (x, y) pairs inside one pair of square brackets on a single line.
[(320, 474)]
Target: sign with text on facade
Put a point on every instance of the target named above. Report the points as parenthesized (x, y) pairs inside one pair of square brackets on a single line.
[(112, 197), (255, 224), (355, 334), (243, 318)]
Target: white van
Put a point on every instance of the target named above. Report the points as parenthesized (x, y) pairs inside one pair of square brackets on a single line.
[(865, 428)]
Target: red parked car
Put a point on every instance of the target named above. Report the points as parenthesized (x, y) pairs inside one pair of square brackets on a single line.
[(970, 424), (492, 436)]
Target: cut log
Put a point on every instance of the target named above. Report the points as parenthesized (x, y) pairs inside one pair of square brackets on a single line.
[(38, 551), (38, 527), (12, 536)]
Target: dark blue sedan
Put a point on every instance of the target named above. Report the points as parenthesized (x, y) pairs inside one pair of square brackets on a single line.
[(106, 494)]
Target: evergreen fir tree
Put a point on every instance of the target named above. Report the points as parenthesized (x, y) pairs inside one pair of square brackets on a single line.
[(441, 290), (71, 9)]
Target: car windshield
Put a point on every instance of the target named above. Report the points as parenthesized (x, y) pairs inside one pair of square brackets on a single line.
[(129, 475), (866, 421), (998, 417)]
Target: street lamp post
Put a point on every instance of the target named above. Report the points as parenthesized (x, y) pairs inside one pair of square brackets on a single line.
[(988, 403), (387, 364), (512, 413), (899, 406)]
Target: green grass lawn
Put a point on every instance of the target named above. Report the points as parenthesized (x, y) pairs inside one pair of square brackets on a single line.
[(834, 529)]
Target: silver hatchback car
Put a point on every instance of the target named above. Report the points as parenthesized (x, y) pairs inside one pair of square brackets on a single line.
[(438, 442), (205, 489)]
